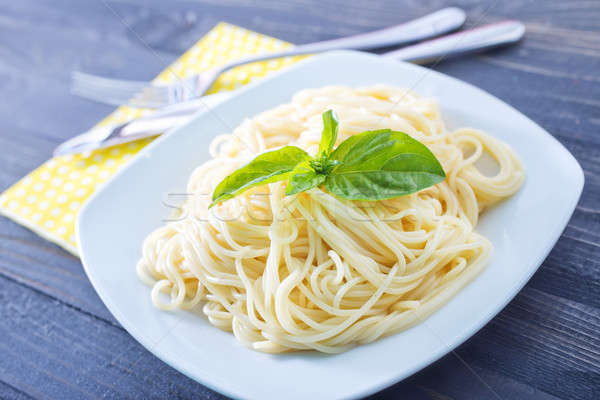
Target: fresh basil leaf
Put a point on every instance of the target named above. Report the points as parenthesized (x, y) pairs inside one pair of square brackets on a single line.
[(302, 178), (266, 168), (379, 165), (356, 143), (373, 165), (330, 132)]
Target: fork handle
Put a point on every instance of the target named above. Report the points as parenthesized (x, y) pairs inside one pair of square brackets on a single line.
[(470, 41), (430, 25)]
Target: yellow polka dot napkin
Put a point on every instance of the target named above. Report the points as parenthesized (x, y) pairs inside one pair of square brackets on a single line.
[(48, 199)]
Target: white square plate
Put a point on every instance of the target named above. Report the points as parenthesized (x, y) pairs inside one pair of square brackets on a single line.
[(114, 222)]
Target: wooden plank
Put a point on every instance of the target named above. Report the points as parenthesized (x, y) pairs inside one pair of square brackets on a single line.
[(9, 392), (450, 378), (52, 350), (59, 339), (50, 270), (540, 340)]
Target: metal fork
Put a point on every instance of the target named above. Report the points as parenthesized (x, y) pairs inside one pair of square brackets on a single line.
[(466, 42), (149, 94)]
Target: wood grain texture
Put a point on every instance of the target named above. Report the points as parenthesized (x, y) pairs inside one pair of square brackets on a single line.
[(59, 341)]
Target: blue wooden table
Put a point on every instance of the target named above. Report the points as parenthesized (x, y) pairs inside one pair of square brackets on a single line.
[(57, 340)]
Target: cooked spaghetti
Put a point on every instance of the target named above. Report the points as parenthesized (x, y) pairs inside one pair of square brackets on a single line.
[(313, 271)]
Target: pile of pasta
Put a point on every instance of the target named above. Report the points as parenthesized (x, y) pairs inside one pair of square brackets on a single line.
[(313, 271)]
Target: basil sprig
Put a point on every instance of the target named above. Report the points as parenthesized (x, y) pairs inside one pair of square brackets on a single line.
[(373, 165)]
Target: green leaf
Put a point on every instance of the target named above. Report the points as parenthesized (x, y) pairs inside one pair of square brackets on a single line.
[(268, 167), (379, 165), (373, 165), (330, 132), (302, 178)]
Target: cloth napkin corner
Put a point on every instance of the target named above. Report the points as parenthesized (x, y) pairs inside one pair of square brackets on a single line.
[(48, 199)]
